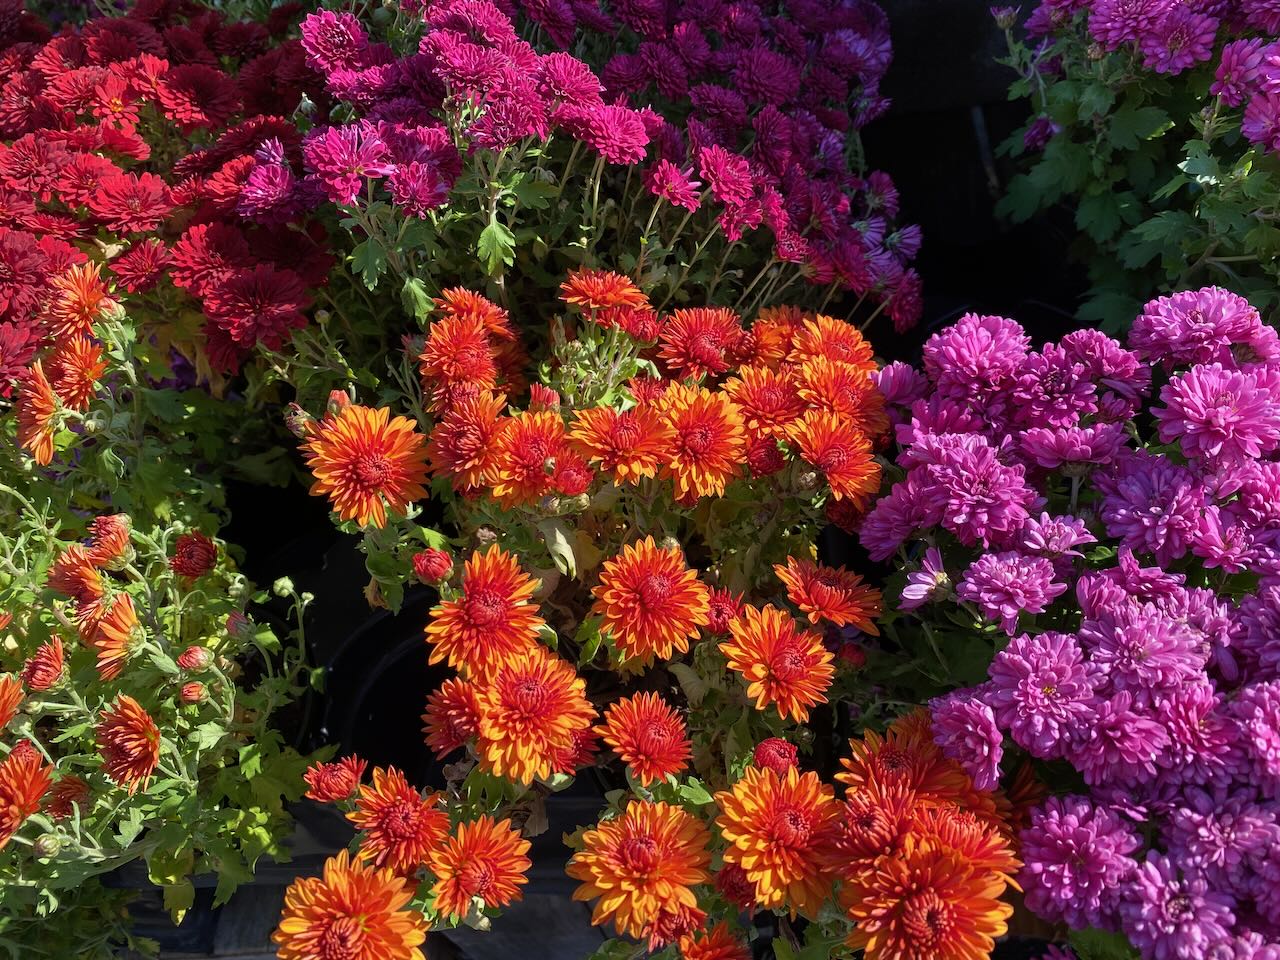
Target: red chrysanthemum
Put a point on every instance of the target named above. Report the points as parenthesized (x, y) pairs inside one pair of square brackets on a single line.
[(768, 400), (650, 602), (830, 593), (42, 670), (458, 352), (432, 565), (401, 827), (482, 859), (195, 659), (129, 203), (367, 462), (194, 555), (847, 391), (206, 255), (452, 716), (590, 290), (112, 631), (491, 620), (140, 267), (464, 304), (37, 412), (628, 444), (334, 782), (709, 443), (694, 341), (528, 449), (262, 304), (725, 608), (129, 742), (784, 666), (719, 943), (776, 754), (463, 445), (109, 545), (841, 452), (74, 575), (647, 733), (24, 780), (10, 698), (67, 794), (195, 95)]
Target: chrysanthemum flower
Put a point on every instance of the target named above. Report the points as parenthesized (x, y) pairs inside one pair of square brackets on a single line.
[(650, 602), (69, 792), (10, 698), (780, 831), (24, 780), (129, 742), (492, 620), (527, 447), (109, 545), (840, 451), (709, 444), (719, 943), (768, 399), (464, 443), (640, 863), (37, 409), (331, 782), (401, 827), (830, 593), (529, 709), (823, 336), (128, 203), (580, 752), (353, 911), (74, 575), (628, 444), (482, 859), (194, 555), (465, 305), (458, 351), (367, 461), (113, 632), (452, 716), (845, 390), (589, 289), (41, 671), (649, 736), (695, 341), (784, 666), (926, 903), (79, 297)]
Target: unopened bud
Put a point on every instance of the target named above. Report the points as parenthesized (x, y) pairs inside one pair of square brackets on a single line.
[(193, 692), (1005, 17), (432, 565), (47, 845), (196, 658), (282, 587), (240, 627), (339, 400), (298, 420), (669, 543)]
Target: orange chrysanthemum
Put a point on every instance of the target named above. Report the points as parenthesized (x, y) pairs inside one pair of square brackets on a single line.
[(482, 859), (367, 461), (780, 831), (353, 912), (823, 336), (75, 367), (458, 351), (695, 341), (875, 823), (641, 863), (67, 794), (928, 902), (710, 441), (783, 665), (529, 710), (841, 452), (830, 593), (580, 752), (493, 618), (628, 444), (109, 546), (767, 398), (649, 736), (462, 303), (79, 298), (774, 332), (847, 391), (129, 742), (720, 943), (650, 602), (24, 780), (464, 443), (332, 782), (401, 827), (589, 289), (73, 574), (112, 632), (10, 698), (37, 410), (527, 448), (977, 841), (452, 716), (44, 668)]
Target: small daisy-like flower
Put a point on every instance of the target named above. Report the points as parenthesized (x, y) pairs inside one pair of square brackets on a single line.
[(482, 859), (649, 736), (129, 742), (768, 399), (641, 863), (845, 390), (37, 410), (590, 290), (10, 698), (780, 830), (830, 593), (695, 341), (783, 666), (531, 443), (332, 782), (627, 444), (401, 827), (352, 911), (452, 716), (40, 672), (367, 461), (840, 451), (823, 336), (710, 441), (650, 602), (491, 620), (24, 780), (464, 443), (529, 711)]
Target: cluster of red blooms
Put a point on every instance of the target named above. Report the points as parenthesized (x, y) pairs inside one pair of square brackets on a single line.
[(123, 146)]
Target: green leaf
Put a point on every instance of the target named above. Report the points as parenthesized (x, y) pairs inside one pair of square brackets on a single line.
[(694, 687), (1092, 944), (695, 792), (1099, 216), (1130, 125), (496, 247), (534, 194), (559, 544), (414, 298), (178, 899), (547, 634), (369, 260)]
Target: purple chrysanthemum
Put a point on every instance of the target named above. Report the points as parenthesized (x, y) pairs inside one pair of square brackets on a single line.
[(1226, 841), (1259, 638), (1004, 585), (1151, 504), (1219, 414), (1114, 23), (343, 157), (674, 185), (1168, 917), (965, 728), (928, 584), (1256, 711), (1052, 390), (1202, 739), (1180, 39), (1055, 539), (1142, 650), (1076, 856), (901, 383), (977, 358), (1073, 447), (333, 41), (417, 188), (1120, 745), (1042, 691), (986, 501), (1195, 326), (1237, 70), (911, 505)]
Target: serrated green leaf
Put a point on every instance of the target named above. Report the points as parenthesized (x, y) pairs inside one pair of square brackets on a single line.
[(496, 246), (369, 260)]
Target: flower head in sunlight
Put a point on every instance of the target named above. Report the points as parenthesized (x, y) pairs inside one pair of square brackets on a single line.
[(768, 399), (75, 575), (823, 336), (75, 367), (830, 593), (24, 780), (466, 305), (11, 697), (783, 665), (649, 736), (464, 443), (129, 742), (710, 441), (627, 444), (401, 827), (590, 289), (528, 450), (37, 411), (845, 390), (113, 634), (332, 782), (840, 451), (452, 716), (718, 943), (41, 671), (482, 859), (80, 297)]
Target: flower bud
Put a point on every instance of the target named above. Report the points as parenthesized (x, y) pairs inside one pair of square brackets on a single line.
[(194, 555), (777, 755), (282, 587), (338, 401), (432, 565), (192, 692), (1005, 17), (240, 627), (852, 655), (669, 543), (47, 845), (195, 659), (298, 421)]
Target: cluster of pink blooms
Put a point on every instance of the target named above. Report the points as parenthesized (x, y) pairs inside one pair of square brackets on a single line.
[(1236, 37), (134, 134), (1110, 512)]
